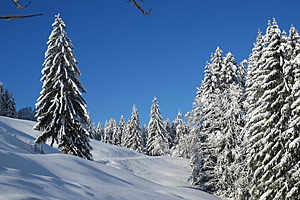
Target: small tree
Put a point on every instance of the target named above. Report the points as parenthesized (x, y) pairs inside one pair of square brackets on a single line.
[(61, 107), (157, 143), (133, 136)]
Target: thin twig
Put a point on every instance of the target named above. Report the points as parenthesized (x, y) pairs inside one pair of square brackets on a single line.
[(138, 6), (16, 2)]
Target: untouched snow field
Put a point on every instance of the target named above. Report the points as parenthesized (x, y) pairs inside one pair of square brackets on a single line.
[(116, 173)]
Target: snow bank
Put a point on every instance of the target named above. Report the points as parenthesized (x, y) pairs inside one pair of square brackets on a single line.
[(116, 173)]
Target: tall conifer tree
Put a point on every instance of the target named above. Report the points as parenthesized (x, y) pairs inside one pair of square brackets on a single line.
[(61, 107), (266, 120)]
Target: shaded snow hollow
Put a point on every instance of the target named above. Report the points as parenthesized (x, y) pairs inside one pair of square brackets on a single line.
[(117, 172)]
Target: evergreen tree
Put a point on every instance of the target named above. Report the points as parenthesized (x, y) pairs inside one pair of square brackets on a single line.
[(99, 132), (289, 182), (122, 125), (144, 136), (157, 143), (109, 129), (182, 148), (2, 100), (207, 116), (133, 137), (118, 132), (229, 143), (170, 134), (266, 120), (10, 105), (61, 107), (90, 126), (107, 132)]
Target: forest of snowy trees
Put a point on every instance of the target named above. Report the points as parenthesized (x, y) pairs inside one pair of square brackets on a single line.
[(242, 136)]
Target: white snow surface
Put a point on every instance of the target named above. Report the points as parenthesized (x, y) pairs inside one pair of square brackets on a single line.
[(115, 173)]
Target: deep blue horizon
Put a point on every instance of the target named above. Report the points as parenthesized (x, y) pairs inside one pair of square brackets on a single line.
[(127, 58)]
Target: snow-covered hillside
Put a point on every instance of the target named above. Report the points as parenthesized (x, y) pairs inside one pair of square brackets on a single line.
[(116, 173)]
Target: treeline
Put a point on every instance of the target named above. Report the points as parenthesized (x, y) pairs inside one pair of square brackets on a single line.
[(7, 103), (8, 106), (158, 138)]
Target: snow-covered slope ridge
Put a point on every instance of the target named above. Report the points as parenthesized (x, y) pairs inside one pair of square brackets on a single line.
[(116, 173)]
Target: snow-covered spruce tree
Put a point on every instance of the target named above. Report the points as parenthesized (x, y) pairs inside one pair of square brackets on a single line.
[(157, 143), (118, 132), (90, 126), (99, 132), (2, 105), (290, 165), (122, 125), (61, 107), (228, 149), (133, 137), (107, 132), (252, 94), (109, 129), (10, 105), (170, 134), (266, 121), (207, 116), (144, 136), (182, 148)]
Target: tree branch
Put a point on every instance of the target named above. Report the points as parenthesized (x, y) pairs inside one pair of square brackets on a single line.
[(13, 17), (138, 6), (16, 2)]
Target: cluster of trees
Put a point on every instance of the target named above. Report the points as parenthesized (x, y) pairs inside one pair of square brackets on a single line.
[(7, 103), (160, 138), (248, 129)]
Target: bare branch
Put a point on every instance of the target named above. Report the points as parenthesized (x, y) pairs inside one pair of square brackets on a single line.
[(16, 2), (13, 17), (138, 6)]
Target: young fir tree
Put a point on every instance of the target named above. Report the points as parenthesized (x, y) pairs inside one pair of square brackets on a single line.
[(133, 137), (157, 143), (61, 107), (267, 121)]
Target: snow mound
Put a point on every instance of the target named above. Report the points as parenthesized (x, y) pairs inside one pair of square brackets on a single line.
[(116, 173)]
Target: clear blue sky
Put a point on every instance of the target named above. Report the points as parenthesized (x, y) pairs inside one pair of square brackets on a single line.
[(127, 58)]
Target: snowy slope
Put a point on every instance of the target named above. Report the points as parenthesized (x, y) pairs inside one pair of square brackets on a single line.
[(116, 173)]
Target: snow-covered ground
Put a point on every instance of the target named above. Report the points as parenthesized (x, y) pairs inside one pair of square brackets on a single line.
[(116, 173)]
